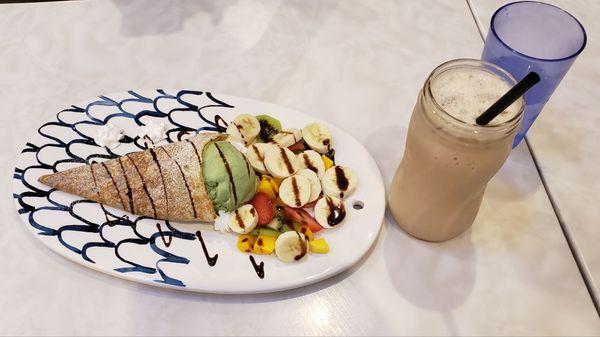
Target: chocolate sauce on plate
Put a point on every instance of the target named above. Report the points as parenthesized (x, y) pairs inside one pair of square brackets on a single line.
[(258, 268), (211, 260)]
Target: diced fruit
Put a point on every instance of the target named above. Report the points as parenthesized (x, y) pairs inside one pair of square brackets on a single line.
[(297, 147), (330, 212), (265, 231), (317, 137), (264, 245), (268, 186), (295, 190), (291, 246), (328, 162), (302, 217), (331, 155), (269, 127), (264, 207), (304, 230), (244, 219), (313, 161), (315, 183), (244, 129), (281, 162), (277, 182), (287, 138), (246, 243), (255, 154), (318, 246), (339, 182), (279, 223)]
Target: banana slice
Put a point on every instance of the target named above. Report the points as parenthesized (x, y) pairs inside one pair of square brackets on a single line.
[(330, 211), (281, 162), (244, 129), (312, 160), (338, 181), (291, 246), (294, 191), (317, 137), (315, 183), (256, 155), (288, 137), (244, 219)]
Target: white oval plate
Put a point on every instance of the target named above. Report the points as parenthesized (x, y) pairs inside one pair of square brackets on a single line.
[(135, 250)]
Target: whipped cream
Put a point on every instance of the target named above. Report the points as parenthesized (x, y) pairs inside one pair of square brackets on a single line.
[(155, 131), (108, 136), (222, 222)]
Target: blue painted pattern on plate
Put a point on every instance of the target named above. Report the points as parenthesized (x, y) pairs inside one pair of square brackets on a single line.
[(67, 141)]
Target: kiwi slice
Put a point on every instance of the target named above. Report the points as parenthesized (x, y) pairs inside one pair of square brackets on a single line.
[(331, 155), (265, 231), (269, 127)]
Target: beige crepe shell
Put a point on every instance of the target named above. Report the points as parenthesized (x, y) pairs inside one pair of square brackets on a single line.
[(164, 183)]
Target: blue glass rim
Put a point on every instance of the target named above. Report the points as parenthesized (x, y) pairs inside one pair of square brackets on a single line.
[(493, 29)]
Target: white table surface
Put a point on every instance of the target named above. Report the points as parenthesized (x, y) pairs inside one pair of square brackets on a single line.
[(359, 64), (565, 139)]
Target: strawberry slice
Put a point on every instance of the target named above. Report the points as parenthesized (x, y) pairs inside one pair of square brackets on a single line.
[(297, 147), (302, 217), (264, 207)]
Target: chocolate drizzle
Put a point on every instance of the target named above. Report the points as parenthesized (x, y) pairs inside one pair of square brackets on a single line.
[(114, 184), (327, 143), (286, 160), (95, 182), (162, 236), (259, 155), (296, 191), (336, 214), (309, 164), (162, 179), (210, 260), (143, 185), (341, 179), (239, 219), (240, 131), (258, 268), (235, 198), (197, 152), (187, 187), (303, 248), (129, 192)]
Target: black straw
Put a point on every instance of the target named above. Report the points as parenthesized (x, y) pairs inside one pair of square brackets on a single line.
[(509, 98)]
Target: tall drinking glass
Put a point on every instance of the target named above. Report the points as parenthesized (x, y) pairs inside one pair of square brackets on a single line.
[(449, 159), (530, 36)]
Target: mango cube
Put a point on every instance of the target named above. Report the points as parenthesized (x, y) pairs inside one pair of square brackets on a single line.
[(304, 230), (328, 162), (264, 245), (318, 246), (246, 243), (268, 186)]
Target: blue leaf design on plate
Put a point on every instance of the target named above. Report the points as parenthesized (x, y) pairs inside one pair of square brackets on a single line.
[(116, 108)]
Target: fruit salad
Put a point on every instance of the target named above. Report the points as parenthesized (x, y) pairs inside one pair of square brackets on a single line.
[(300, 191)]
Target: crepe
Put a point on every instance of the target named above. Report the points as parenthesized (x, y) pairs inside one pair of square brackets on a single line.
[(165, 182)]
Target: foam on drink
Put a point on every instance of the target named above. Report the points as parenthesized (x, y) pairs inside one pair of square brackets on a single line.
[(465, 93)]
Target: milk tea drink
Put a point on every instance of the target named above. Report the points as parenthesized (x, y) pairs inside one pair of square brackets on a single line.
[(448, 159)]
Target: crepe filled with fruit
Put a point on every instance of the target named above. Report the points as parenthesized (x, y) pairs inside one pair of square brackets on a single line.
[(276, 188)]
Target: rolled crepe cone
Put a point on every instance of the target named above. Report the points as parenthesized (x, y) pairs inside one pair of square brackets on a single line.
[(164, 183)]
